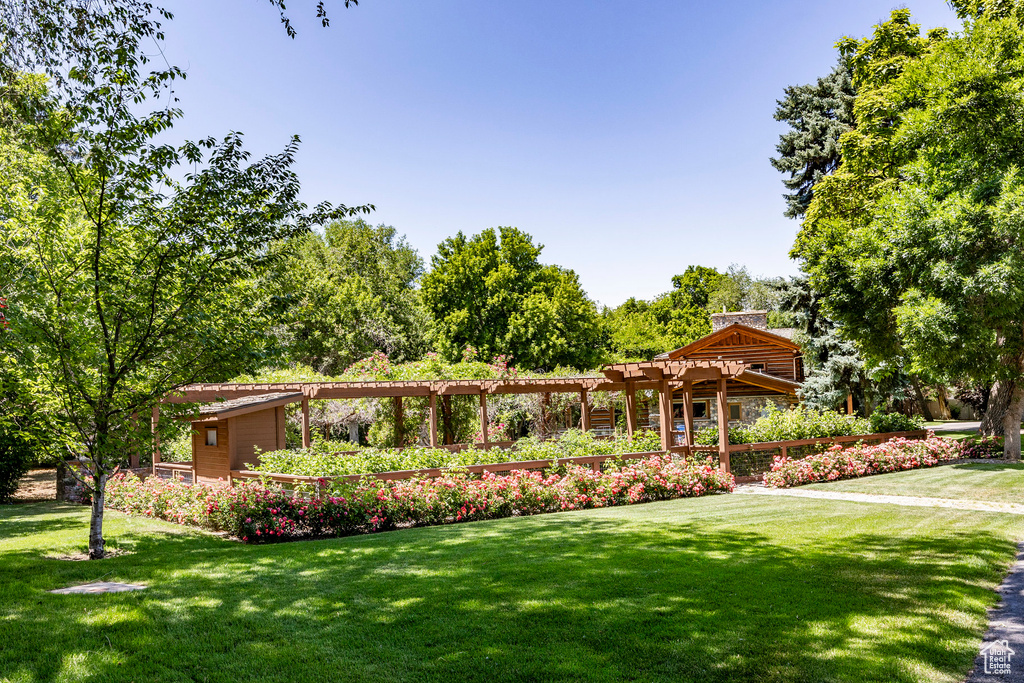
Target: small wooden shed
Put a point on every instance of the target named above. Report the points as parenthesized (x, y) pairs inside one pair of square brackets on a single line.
[(226, 434)]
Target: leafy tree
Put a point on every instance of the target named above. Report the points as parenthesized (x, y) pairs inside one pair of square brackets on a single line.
[(915, 240), (25, 432), (694, 287), (350, 292), (738, 290), (490, 292), (637, 334), (131, 266), (817, 114), (640, 330)]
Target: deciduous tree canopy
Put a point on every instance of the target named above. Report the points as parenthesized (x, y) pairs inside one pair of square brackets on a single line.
[(350, 292), (491, 292), (916, 240)]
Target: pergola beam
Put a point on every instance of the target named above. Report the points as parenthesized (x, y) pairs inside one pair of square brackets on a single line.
[(399, 422), (688, 413)]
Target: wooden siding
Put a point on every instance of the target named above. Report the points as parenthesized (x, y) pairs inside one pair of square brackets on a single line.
[(211, 462), (602, 419), (252, 430), (777, 359)]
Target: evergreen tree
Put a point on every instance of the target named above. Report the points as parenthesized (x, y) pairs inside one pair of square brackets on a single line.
[(818, 114), (834, 368)]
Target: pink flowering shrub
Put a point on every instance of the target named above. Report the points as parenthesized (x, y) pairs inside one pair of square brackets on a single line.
[(861, 460), (981, 447), (256, 513)]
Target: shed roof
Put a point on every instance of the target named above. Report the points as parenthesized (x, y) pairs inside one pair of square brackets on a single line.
[(222, 410)]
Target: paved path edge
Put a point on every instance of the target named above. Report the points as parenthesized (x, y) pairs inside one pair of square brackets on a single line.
[(1006, 623)]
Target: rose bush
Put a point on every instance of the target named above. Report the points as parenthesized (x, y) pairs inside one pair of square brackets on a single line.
[(981, 447), (861, 460), (257, 513)]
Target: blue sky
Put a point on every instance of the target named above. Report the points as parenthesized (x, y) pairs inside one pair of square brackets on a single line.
[(631, 139)]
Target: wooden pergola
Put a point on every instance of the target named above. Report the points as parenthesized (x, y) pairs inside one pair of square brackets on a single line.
[(662, 375)]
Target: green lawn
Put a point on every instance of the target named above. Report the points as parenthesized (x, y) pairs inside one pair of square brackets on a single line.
[(997, 481), (725, 588)]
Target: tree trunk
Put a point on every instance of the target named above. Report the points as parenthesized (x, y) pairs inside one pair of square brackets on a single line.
[(998, 403), (921, 401), (96, 543), (940, 391), (1011, 423)]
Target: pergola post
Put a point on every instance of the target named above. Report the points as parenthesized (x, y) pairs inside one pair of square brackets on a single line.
[(545, 401), (133, 457), (154, 425), (305, 423), (433, 419), (483, 417), (630, 409), (399, 419), (688, 415), (446, 410), (665, 410), (723, 426), (585, 410)]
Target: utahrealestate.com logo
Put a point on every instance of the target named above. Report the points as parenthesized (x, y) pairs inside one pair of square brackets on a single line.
[(997, 657)]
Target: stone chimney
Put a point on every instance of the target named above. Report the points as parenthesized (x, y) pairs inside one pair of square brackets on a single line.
[(755, 319)]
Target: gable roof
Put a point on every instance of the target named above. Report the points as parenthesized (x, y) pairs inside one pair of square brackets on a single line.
[(726, 332)]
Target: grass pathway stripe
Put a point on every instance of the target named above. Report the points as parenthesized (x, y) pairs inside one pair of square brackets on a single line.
[(910, 501)]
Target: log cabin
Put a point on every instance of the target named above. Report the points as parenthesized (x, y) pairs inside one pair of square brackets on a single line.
[(775, 368)]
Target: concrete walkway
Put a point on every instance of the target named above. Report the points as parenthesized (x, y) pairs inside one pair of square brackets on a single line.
[(957, 426), (909, 501)]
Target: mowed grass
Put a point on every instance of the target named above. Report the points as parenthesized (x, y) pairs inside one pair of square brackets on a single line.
[(725, 588), (996, 482)]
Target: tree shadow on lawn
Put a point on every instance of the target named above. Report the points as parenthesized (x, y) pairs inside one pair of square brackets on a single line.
[(29, 519), (554, 597), (988, 466)]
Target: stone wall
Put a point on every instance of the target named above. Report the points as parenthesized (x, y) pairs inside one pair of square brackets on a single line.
[(755, 319), (70, 489), (751, 409)]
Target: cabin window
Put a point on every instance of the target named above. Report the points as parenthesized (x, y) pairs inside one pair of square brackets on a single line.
[(700, 410), (211, 437), (757, 367), (735, 411)]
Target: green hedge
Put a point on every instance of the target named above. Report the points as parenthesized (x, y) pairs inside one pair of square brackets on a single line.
[(330, 458), (796, 423)]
